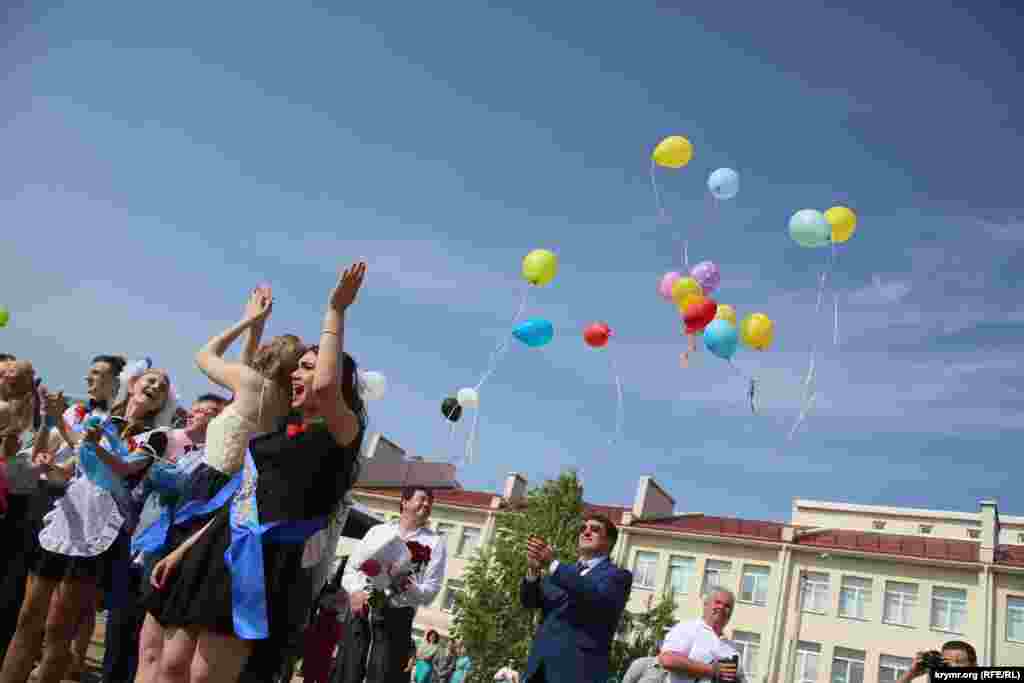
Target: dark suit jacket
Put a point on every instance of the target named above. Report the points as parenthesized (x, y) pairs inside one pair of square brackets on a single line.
[(580, 615)]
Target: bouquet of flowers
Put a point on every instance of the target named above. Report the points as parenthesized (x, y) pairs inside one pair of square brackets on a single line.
[(390, 570)]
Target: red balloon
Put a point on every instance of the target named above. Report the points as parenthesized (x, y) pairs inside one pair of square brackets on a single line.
[(699, 315), (597, 334)]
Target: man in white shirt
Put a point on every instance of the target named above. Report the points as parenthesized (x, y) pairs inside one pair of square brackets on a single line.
[(379, 651), (696, 650)]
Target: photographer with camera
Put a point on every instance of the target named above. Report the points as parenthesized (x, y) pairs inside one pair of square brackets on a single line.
[(696, 651), (955, 654)]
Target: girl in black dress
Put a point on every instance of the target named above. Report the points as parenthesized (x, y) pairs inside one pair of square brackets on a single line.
[(220, 591)]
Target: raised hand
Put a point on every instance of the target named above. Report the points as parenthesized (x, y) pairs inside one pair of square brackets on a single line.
[(344, 293), (56, 404), (259, 305)]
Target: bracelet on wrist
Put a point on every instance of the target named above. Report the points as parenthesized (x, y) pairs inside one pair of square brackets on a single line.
[(329, 332)]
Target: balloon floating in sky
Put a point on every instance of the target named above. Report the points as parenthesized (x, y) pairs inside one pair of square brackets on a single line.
[(707, 275), (451, 409), (727, 313), (724, 183), (534, 332), (698, 315), (597, 334), (684, 287), (5, 316), (809, 228), (540, 267), (468, 397), (721, 338), (666, 283), (674, 151), (843, 222), (374, 385), (757, 331)]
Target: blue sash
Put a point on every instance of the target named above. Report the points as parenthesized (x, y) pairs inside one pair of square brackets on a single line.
[(153, 538), (97, 471), (244, 557)]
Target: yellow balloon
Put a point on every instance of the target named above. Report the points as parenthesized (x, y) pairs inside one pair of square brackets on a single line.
[(726, 312), (688, 301), (843, 222), (684, 287), (540, 267), (675, 151), (757, 331)]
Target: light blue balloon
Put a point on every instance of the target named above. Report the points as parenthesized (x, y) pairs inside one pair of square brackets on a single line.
[(721, 338), (534, 332), (810, 228), (724, 183)]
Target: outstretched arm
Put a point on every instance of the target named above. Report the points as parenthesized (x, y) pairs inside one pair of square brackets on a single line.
[(254, 334), (341, 421), (210, 358)]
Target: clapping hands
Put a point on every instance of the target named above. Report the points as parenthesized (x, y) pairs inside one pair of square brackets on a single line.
[(538, 553)]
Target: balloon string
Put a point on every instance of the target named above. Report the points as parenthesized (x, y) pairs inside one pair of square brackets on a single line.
[(804, 411), (620, 410), (751, 386), (686, 255), (662, 214), (471, 439), (835, 321), (496, 355)]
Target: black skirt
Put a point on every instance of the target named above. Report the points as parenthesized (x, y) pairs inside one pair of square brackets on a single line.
[(198, 595)]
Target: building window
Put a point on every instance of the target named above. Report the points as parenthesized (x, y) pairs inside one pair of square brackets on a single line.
[(854, 597), (469, 541), (1015, 618), (974, 533), (949, 609), (925, 528), (754, 586), (847, 666), (748, 645), (716, 573), (900, 599), (891, 668), (453, 588), (878, 524), (807, 662), (645, 569), (816, 592), (680, 574), (446, 529), (1020, 538)]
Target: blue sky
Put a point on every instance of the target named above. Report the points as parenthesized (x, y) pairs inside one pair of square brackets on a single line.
[(160, 160)]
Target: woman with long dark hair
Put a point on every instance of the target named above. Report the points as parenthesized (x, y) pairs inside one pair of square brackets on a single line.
[(218, 593)]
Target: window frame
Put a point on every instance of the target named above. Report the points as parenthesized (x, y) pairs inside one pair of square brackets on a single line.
[(865, 594), (461, 550), (849, 661), (949, 604), (900, 670), (653, 570), (744, 646), (913, 605), (705, 584), (766, 576), (1015, 608), (805, 648), (809, 586), (689, 579)]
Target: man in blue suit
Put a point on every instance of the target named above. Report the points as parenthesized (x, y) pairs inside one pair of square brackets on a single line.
[(581, 603)]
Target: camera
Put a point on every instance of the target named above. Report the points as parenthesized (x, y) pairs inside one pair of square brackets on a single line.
[(932, 660)]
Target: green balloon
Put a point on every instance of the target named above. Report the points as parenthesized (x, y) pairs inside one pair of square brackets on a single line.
[(5, 316), (810, 228)]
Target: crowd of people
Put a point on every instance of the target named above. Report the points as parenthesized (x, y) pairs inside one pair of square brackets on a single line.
[(199, 538)]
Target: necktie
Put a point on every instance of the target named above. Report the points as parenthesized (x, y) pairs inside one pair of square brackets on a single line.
[(581, 567)]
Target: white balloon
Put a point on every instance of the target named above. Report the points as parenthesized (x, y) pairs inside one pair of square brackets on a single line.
[(374, 385), (724, 183), (468, 398)]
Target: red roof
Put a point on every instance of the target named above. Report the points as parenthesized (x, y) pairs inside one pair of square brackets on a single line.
[(717, 526), (1010, 554), (473, 499), (892, 544)]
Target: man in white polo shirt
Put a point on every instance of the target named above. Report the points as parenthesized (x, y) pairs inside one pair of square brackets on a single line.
[(696, 651)]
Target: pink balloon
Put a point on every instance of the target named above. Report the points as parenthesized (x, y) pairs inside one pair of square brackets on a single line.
[(707, 275), (665, 286)]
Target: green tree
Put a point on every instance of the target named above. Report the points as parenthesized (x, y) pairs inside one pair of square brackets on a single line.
[(488, 617), (640, 634)]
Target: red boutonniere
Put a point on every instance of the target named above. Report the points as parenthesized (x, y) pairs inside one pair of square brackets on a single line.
[(80, 412), (371, 568), (295, 429), (132, 444), (420, 553)]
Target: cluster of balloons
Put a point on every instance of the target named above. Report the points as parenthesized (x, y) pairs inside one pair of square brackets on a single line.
[(539, 268), (717, 322), (812, 228), (675, 152)]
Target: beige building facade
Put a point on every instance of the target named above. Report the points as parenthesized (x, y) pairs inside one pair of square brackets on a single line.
[(841, 593)]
